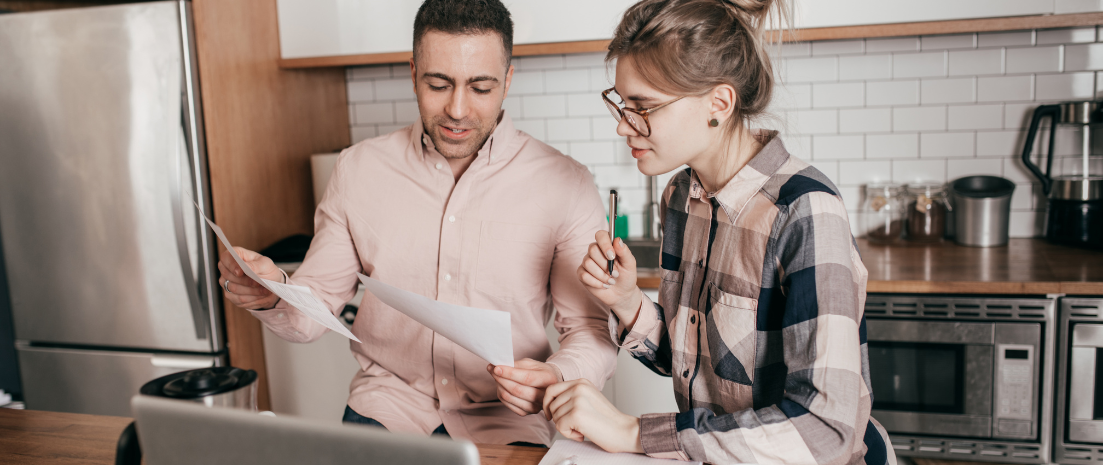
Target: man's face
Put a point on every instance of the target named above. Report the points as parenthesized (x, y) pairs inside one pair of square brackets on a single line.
[(460, 82)]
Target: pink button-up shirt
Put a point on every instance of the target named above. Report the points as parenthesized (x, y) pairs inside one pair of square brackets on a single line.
[(508, 236)]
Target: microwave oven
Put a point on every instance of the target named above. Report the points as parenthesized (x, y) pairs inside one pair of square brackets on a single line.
[(963, 378), (1078, 430)]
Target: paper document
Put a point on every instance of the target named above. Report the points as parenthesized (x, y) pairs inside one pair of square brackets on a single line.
[(485, 333), (297, 296), (588, 453)]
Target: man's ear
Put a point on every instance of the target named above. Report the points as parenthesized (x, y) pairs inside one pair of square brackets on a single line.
[(509, 80), (413, 73)]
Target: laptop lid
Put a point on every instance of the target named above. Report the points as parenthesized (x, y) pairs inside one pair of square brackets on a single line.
[(173, 432)]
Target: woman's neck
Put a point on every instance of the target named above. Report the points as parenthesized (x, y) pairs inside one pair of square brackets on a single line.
[(716, 167)]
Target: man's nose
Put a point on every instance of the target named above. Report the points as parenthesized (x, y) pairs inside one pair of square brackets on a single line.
[(457, 105)]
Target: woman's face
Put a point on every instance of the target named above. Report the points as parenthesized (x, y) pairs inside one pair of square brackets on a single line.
[(680, 132)]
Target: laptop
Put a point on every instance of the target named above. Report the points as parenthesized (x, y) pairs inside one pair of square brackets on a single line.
[(173, 432)]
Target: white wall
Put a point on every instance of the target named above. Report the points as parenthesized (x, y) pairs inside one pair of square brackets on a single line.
[(907, 109)]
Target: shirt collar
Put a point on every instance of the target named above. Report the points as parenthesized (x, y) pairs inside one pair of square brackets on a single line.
[(748, 180), (498, 147)]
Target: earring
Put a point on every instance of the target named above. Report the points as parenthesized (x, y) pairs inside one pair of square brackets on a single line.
[(714, 123)]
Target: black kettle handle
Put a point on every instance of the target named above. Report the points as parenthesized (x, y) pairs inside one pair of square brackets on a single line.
[(1054, 112), (128, 451)]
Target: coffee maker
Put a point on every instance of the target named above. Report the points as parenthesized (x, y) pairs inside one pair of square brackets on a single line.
[(1075, 212)]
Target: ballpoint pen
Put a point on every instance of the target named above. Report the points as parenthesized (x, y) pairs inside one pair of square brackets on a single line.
[(612, 222)]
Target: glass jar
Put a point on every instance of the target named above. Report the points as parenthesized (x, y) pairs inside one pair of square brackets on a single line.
[(927, 211), (883, 212)]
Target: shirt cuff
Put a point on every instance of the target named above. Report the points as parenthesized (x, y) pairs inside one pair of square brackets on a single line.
[(647, 321), (558, 372), (659, 436)]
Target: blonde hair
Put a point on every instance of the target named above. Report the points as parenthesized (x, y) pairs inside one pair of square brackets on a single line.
[(688, 47)]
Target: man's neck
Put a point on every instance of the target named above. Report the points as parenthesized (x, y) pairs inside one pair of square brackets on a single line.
[(460, 165)]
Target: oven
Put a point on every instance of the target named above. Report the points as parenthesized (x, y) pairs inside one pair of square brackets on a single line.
[(1079, 430), (963, 377)]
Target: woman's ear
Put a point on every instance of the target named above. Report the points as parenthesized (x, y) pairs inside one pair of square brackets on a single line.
[(722, 102)]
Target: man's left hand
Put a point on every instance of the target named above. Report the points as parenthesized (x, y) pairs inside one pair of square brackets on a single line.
[(521, 387)]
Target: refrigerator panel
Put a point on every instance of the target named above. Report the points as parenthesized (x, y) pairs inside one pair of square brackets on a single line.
[(98, 229), (96, 382)]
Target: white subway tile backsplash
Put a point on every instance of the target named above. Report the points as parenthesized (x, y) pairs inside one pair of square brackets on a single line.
[(360, 91), (1005, 39), (604, 128), (617, 176), (1017, 115), (948, 41), (1083, 57), (911, 65), (567, 80), (819, 69), (527, 82), (803, 122), (585, 60), (588, 104), (1070, 86), (601, 79), (904, 92), (1034, 60), (838, 147), (572, 129), (862, 120), (359, 133), (394, 89), (975, 117), (792, 96), (406, 112), (856, 173), (533, 127), (539, 62), (915, 171), (838, 95), (956, 90), (880, 146), (593, 153), (374, 113), (799, 146), (973, 167), (865, 67), (1005, 88), (919, 119), (1014, 170), (512, 106), (829, 168), (544, 106), (796, 49), (976, 62), (999, 143), (352, 114), (898, 44), (1026, 224), (1066, 35), (946, 145), (1022, 199), (369, 72), (389, 128), (838, 47)]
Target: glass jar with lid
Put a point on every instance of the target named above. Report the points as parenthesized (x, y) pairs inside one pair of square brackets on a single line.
[(927, 210), (883, 212)]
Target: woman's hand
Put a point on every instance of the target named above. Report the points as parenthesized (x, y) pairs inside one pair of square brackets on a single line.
[(581, 412), (617, 291), (240, 289), (521, 387)]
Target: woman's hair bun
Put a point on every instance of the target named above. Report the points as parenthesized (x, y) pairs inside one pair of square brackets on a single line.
[(759, 14)]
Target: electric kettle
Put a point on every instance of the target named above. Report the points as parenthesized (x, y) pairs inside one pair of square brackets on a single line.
[(1075, 212)]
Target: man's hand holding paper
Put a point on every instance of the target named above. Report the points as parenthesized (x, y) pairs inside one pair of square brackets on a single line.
[(243, 291)]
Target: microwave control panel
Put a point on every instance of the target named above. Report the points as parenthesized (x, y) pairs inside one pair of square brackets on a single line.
[(1014, 406)]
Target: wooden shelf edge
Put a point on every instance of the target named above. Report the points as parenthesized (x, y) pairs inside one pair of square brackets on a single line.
[(963, 287), (801, 35)]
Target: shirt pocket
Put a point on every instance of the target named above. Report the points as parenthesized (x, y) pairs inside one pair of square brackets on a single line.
[(514, 260), (670, 293), (732, 335)]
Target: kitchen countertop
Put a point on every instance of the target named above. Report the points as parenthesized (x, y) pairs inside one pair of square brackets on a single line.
[(33, 437), (1024, 266)]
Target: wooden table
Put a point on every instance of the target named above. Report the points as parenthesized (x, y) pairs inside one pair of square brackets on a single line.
[(1023, 266), (36, 437)]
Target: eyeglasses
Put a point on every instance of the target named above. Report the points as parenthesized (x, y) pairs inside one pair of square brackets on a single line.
[(636, 118)]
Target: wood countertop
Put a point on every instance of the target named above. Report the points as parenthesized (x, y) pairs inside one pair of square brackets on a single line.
[(34, 437), (1023, 266)]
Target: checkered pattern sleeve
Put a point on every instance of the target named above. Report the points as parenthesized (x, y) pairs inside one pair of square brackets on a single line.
[(823, 414)]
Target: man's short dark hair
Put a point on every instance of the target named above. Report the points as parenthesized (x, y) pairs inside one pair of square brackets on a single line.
[(465, 17)]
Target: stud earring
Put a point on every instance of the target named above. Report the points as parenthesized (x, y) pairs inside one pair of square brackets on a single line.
[(714, 123)]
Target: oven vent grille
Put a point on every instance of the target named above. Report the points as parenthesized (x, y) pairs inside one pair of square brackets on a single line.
[(1083, 308), (957, 308), (966, 450), (1080, 454)]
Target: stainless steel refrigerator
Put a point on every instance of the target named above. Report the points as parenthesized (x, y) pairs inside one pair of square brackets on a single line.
[(112, 278)]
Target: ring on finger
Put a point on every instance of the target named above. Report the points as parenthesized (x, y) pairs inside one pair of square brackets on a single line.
[(226, 286)]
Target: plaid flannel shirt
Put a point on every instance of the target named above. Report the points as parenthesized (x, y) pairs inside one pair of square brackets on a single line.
[(760, 322)]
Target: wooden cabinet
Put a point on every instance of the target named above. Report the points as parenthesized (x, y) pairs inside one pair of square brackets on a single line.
[(315, 33)]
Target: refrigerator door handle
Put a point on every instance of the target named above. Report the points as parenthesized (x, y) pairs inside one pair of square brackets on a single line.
[(199, 315)]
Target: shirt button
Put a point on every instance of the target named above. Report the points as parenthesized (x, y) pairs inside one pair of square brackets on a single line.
[(451, 219), (282, 316), (447, 277), (297, 333), (685, 374), (700, 263), (693, 319), (440, 165), (444, 381)]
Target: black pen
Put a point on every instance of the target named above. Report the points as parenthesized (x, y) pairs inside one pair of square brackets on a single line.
[(612, 222)]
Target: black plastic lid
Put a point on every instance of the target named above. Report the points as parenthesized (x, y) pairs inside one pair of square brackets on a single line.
[(201, 382), (982, 187)]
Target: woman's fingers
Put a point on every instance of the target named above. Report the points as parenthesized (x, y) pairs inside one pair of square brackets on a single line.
[(605, 244), (598, 256), (624, 255), (598, 272), (589, 279)]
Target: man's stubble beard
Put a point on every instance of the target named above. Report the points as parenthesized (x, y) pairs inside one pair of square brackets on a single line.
[(453, 151)]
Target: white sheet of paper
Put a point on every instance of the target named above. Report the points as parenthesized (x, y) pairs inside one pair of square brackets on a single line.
[(485, 333), (297, 296), (588, 453)]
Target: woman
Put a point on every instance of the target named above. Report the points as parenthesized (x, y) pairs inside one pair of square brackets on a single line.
[(760, 313)]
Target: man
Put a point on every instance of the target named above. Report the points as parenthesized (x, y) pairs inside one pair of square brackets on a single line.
[(465, 209)]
